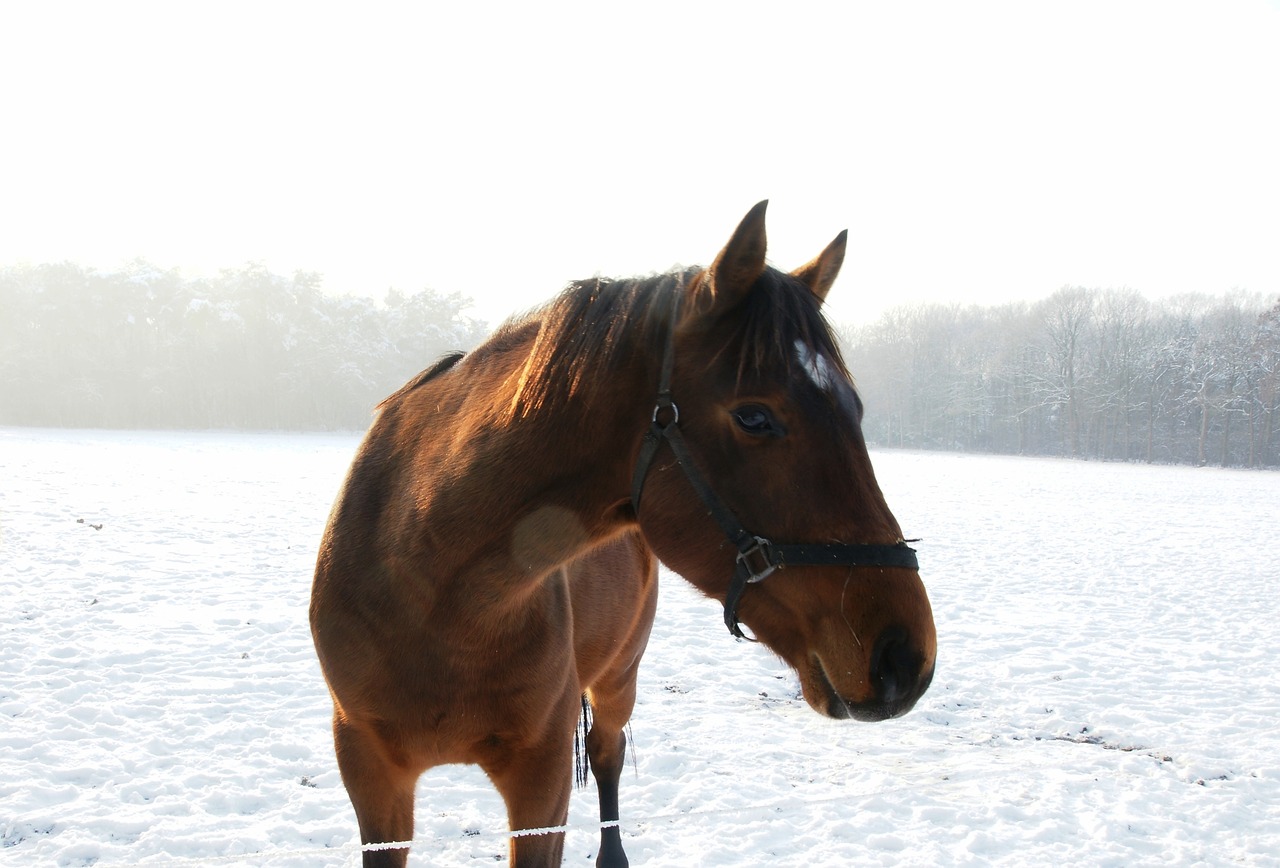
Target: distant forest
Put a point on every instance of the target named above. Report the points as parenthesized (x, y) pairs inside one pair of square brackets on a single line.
[(1085, 373), (144, 348)]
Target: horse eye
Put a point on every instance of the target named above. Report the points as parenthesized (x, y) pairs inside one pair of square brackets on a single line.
[(755, 419)]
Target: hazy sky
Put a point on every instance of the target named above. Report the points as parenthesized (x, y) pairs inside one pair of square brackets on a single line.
[(976, 151)]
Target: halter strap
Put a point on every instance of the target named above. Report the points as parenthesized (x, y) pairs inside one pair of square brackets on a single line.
[(758, 558)]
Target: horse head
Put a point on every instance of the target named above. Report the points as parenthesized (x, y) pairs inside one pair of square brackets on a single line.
[(766, 499)]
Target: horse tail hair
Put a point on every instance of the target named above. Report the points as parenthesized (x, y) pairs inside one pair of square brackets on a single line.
[(581, 762)]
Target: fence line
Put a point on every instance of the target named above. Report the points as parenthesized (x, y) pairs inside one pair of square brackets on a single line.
[(773, 810)]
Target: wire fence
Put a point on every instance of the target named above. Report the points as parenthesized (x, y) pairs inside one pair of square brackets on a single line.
[(350, 854)]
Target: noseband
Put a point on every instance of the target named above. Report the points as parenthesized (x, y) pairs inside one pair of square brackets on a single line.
[(758, 558)]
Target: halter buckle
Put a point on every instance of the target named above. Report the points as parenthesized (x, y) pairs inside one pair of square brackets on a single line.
[(758, 560), (666, 404)]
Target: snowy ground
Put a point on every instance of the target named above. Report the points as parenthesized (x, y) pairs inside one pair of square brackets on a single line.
[(1106, 689)]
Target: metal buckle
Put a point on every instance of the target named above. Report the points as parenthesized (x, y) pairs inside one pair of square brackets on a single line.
[(671, 405), (758, 560)]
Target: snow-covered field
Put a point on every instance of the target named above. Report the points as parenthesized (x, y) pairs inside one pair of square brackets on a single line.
[(1107, 688)]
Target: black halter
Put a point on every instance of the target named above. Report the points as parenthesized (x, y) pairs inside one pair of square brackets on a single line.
[(758, 558)]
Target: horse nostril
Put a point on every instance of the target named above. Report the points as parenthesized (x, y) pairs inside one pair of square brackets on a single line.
[(895, 667)]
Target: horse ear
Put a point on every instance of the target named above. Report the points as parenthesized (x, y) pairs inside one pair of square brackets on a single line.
[(821, 272), (736, 268)]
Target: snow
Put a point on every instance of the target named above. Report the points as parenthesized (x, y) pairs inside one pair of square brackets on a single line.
[(1105, 694)]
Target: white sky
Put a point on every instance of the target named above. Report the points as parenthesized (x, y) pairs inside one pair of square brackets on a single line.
[(976, 151)]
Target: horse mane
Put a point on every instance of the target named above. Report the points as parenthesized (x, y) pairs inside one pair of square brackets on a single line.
[(594, 326), (443, 364), (587, 332)]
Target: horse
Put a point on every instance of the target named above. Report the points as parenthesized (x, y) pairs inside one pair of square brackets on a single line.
[(489, 571)]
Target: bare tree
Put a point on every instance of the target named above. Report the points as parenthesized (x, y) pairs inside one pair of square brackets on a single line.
[(1100, 373), (1067, 316)]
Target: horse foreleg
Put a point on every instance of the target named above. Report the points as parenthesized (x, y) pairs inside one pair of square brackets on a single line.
[(613, 698), (380, 790), (535, 784)]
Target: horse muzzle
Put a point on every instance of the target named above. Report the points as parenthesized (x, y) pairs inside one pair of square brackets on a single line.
[(897, 675)]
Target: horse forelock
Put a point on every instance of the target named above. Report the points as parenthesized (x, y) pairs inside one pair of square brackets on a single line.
[(779, 316)]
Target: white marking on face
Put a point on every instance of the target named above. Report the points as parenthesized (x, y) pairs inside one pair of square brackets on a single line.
[(831, 379), (820, 370)]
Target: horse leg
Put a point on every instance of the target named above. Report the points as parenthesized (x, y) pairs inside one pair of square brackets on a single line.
[(612, 689), (380, 790), (535, 782), (606, 752)]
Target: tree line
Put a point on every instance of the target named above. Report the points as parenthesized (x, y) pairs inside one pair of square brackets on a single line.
[(146, 348), (1085, 373)]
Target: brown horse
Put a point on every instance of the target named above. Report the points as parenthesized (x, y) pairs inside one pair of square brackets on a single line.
[(492, 557)]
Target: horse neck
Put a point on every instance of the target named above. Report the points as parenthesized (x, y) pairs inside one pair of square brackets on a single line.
[(524, 492)]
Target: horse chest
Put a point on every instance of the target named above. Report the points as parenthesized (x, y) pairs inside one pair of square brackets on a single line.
[(478, 709)]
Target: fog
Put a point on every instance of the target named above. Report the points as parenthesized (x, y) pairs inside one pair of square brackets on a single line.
[(1083, 373), (1061, 217), (142, 348), (978, 152)]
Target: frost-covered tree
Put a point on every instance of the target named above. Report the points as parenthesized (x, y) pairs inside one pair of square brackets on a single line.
[(1089, 373), (142, 347)]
